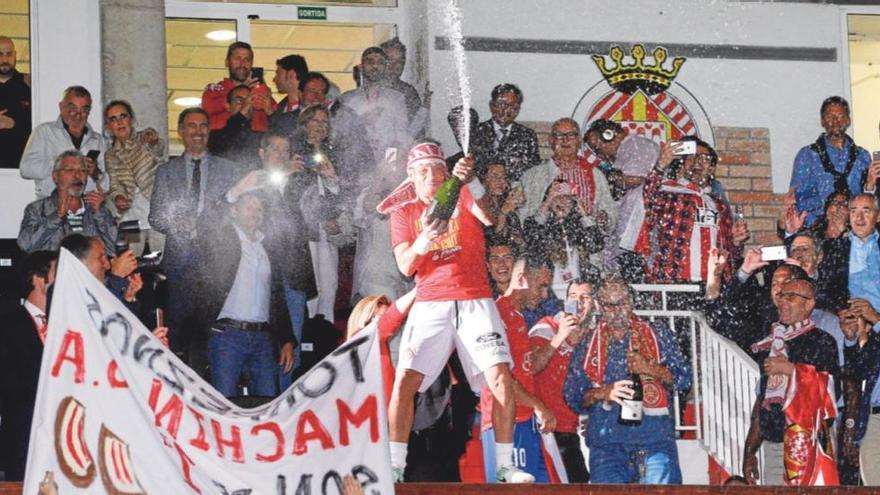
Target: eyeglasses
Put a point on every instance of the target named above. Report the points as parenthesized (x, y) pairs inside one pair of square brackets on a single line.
[(504, 105), (238, 99), (802, 250), (70, 107), (703, 157), (614, 304), (790, 296), (118, 118), (564, 135)]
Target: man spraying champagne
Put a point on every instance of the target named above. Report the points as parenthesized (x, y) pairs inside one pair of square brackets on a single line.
[(454, 308)]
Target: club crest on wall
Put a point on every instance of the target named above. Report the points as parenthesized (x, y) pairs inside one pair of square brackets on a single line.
[(644, 97)]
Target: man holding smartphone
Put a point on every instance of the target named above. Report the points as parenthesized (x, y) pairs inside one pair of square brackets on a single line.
[(240, 62), (552, 341), (71, 131)]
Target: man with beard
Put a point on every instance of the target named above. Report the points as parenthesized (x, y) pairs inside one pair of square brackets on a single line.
[(598, 382), (832, 163), (15, 106), (67, 210), (381, 110), (239, 61), (396, 53)]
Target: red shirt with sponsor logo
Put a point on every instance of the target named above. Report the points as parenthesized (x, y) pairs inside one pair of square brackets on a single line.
[(455, 267), (550, 381), (518, 338)]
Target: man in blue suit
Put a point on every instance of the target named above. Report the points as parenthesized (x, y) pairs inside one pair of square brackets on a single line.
[(188, 190)]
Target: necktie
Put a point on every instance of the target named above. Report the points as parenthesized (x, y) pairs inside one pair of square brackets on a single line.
[(195, 187), (502, 133), (43, 327)]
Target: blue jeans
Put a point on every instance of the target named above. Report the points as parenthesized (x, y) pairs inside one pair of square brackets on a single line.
[(652, 464), (232, 352), (296, 306)]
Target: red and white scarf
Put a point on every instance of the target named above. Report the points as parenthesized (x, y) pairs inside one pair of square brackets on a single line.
[(776, 344), (641, 339), (582, 182)]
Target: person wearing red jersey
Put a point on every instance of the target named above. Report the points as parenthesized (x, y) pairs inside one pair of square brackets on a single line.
[(529, 285), (454, 307), (239, 61), (553, 340)]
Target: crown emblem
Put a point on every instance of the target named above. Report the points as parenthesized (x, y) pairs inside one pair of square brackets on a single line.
[(651, 79)]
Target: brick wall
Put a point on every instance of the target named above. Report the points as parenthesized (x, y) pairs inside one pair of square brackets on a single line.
[(743, 169)]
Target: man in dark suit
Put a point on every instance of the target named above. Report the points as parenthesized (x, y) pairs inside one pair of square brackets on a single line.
[(21, 350), (501, 139), (188, 188), (241, 301)]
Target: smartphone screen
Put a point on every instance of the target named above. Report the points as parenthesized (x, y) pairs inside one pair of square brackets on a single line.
[(257, 73)]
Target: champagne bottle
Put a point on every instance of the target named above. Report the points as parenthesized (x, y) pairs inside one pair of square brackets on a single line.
[(631, 410), (445, 200)]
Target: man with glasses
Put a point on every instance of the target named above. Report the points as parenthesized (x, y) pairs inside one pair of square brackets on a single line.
[(500, 139), (799, 363), (852, 268), (237, 141), (71, 131), (593, 198), (598, 382), (683, 221), (68, 209)]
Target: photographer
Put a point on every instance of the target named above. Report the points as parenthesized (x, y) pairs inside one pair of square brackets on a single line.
[(69, 209)]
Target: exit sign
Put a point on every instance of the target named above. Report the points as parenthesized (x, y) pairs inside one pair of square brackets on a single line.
[(311, 13)]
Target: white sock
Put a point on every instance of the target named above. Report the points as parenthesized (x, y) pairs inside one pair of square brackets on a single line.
[(503, 455), (398, 454)]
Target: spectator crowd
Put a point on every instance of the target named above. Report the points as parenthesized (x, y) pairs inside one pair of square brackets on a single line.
[(282, 219)]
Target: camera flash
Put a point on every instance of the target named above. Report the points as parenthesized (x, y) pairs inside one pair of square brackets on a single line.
[(318, 157), (276, 177)]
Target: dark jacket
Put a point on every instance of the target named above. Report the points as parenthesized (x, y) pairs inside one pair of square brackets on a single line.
[(518, 150), (171, 211), (282, 122), (862, 365), (236, 141), (833, 288), (15, 98), (20, 355), (218, 266)]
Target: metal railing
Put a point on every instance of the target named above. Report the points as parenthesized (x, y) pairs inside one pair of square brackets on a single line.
[(724, 377)]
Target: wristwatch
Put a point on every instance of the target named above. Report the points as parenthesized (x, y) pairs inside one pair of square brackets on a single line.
[(850, 423)]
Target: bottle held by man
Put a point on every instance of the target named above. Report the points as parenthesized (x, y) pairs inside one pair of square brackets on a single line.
[(631, 410)]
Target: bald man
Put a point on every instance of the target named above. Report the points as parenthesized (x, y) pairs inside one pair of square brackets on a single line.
[(15, 107)]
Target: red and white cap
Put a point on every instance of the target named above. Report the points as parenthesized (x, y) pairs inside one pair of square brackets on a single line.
[(405, 193), (424, 153)]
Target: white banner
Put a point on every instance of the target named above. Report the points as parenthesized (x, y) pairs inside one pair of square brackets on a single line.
[(118, 413)]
